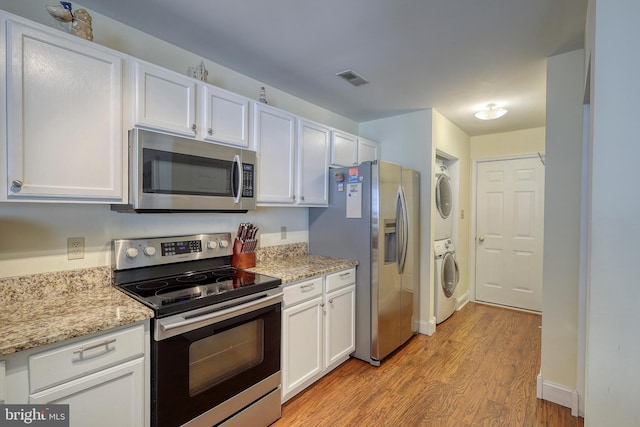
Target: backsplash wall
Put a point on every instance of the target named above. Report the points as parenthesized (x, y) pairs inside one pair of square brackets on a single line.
[(33, 236)]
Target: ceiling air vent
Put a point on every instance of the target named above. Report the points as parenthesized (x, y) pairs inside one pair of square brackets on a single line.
[(352, 78)]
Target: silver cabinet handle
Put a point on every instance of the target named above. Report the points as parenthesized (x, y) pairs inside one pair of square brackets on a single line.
[(16, 183), (194, 127), (345, 274), (91, 347), (330, 301), (302, 198), (481, 239), (309, 287), (293, 197), (210, 131)]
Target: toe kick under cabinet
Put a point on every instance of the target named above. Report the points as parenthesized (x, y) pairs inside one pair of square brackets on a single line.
[(318, 328)]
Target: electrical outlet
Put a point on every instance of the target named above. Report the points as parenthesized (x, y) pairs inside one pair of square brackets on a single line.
[(283, 232), (75, 248)]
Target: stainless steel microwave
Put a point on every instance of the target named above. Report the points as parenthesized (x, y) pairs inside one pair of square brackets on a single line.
[(173, 174)]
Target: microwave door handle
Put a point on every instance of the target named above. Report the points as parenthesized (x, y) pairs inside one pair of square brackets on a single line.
[(236, 178)]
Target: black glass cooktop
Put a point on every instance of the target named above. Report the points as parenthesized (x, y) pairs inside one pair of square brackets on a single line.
[(195, 289)]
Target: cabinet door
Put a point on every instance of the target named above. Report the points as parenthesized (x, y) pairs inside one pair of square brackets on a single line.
[(274, 136), (226, 117), (340, 326), (64, 118), (313, 164), (344, 149), (368, 150), (165, 100), (112, 397), (301, 346)]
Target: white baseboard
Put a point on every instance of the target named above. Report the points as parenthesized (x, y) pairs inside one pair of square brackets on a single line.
[(427, 328), (557, 393), (461, 301)]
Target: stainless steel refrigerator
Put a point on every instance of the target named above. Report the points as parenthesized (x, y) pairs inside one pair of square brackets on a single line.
[(373, 216)]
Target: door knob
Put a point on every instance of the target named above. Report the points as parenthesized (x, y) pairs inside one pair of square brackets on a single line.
[(481, 239)]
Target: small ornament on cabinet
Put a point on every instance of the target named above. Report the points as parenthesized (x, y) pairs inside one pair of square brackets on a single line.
[(198, 72), (263, 96), (78, 23)]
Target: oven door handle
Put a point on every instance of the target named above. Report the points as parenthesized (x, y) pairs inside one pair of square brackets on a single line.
[(179, 324)]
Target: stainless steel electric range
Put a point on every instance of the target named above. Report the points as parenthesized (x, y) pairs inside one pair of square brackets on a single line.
[(215, 348)]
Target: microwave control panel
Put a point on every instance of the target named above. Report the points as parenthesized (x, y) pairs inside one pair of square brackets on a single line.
[(247, 180)]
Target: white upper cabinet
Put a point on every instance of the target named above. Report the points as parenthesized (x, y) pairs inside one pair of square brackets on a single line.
[(65, 137), (292, 167), (274, 139), (164, 100), (344, 149), (313, 164), (171, 102), (368, 150), (350, 150), (226, 116)]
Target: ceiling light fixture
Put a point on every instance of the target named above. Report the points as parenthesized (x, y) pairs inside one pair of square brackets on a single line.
[(492, 112), (353, 77)]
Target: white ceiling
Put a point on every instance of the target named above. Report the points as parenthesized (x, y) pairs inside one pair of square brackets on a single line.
[(452, 55)]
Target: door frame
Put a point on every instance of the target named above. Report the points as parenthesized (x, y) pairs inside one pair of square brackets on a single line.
[(473, 219)]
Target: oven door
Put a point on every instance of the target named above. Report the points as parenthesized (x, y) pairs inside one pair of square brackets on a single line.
[(171, 173), (211, 364)]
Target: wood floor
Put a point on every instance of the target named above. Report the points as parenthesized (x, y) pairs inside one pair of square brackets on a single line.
[(478, 369)]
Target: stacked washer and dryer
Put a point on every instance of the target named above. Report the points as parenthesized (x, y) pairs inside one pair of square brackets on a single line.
[(447, 273)]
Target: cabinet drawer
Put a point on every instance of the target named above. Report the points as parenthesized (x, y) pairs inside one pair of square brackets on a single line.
[(84, 357), (341, 279), (302, 291)]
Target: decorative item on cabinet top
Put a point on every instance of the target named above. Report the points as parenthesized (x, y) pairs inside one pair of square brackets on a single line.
[(198, 72), (80, 21), (263, 95)]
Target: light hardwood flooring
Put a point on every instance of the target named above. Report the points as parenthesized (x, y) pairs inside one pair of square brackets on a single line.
[(478, 369)]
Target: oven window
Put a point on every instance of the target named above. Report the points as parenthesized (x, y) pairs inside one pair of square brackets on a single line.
[(219, 357), (174, 173)]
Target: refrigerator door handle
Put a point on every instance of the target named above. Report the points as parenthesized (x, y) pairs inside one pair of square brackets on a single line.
[(399, 230), (403, 229)]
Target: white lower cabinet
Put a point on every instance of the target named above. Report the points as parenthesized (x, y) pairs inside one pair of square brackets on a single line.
[(111, 397), (104, 377), (318, 329), (339, 325)]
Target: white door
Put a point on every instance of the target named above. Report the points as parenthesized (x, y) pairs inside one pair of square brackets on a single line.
[(64, 118), (509, 232), (302, 342), (165, 100), (274, 139), (226, 117), (340, 338), (313, 164)]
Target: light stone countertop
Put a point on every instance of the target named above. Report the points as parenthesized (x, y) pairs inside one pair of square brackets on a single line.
[(300, 267), (52, 307), (48, 308)]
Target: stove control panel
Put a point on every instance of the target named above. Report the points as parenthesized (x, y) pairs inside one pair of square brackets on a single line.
[(135, 253)]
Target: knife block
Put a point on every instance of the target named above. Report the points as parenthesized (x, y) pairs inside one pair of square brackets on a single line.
[(242, 259)]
